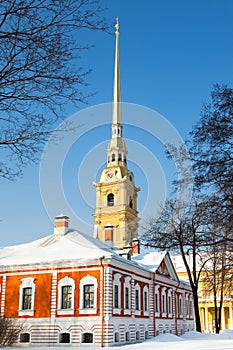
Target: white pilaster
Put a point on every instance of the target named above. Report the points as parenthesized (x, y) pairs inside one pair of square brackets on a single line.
[(3, 295), (53, 295)]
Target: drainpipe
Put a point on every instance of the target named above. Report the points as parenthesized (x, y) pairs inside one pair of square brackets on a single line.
[(102, 305), (176, 308)]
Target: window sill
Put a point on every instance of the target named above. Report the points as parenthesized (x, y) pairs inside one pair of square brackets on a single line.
[(87, 311), (127, 312), (65, 311), (146, 313), (26, 312), (116, 311), (137, 313)]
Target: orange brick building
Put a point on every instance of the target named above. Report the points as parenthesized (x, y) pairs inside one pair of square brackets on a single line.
[(72, 288)]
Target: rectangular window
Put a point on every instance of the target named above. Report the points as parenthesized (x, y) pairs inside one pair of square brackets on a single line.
[(116, 297), (156, 302), (66, 297), (145, 301), (181, 308), (126, 298), (163, 304), (187, 307), (137, 299), (88, 293), (169, 304), (190, 307), (27, 298)]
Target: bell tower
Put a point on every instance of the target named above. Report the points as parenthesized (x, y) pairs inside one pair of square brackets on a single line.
[(116, 216)]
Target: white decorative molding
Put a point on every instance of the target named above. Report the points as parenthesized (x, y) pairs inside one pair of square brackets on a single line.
[(146, 302), (27, 282), (117, 282), (66, 281), (138, 288), (3, 291), (127, 284), (169, 303), (84, 281)]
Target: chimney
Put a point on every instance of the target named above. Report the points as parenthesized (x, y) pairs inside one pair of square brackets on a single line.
[(108, 235), (135, 246), (61, 225)]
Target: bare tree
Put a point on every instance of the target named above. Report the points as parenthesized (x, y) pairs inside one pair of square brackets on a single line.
[(217, 273), (212, 151), (184, 232), (9, 331), (40, 71)]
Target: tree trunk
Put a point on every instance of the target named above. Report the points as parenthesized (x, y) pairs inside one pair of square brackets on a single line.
[(216, 313), (220, 313), (196, 310)]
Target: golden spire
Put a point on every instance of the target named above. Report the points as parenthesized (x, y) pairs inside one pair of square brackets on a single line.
[(116, 111)]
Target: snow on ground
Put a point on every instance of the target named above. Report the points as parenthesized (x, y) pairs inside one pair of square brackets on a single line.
[(189, 341)]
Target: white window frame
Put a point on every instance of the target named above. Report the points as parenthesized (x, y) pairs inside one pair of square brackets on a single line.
[(186, 305), (157, 313), (190, 306), (138, 288), (117, 282), (27, 282), (66, 281), (84, 281), (164, 304), (169, 305), (146, 312), (181, 305), (127, 284)]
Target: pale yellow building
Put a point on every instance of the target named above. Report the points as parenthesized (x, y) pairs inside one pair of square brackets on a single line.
[(116, 216), (206, 300)]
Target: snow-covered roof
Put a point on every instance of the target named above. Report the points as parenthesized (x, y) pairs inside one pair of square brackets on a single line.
[(151, 260), (178, 262), (70, 249), (71, 246), (201, 258)]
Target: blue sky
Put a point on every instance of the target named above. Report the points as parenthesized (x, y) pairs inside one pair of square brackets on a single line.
[(171, 54)]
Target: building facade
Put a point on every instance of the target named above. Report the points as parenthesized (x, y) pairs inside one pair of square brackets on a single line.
[(206, 298), (72, 288)]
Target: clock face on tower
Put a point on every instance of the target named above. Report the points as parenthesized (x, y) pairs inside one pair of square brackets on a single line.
[(110, 175)]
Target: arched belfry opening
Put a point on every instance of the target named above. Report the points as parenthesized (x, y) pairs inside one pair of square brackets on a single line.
[(110, 200)]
